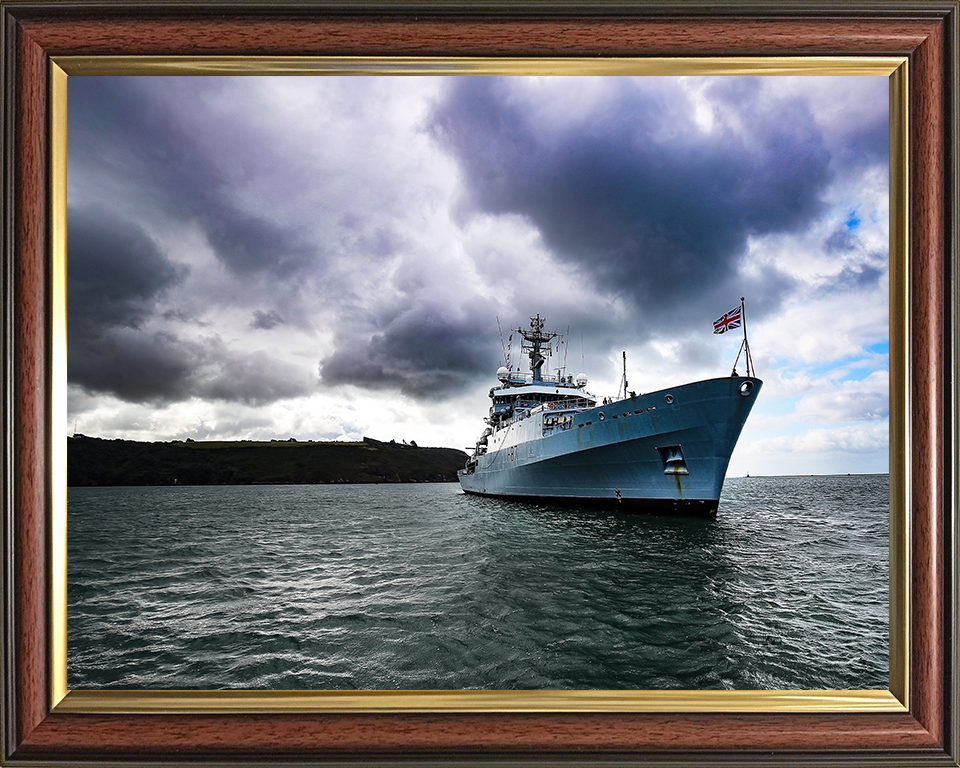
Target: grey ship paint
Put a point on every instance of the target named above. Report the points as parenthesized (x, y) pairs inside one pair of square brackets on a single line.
[(667, 451)]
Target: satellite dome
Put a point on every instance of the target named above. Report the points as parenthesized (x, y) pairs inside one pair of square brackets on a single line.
[(581, 379), (503, 373)]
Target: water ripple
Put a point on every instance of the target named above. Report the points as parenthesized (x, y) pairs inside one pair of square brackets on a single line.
[(420, 586)]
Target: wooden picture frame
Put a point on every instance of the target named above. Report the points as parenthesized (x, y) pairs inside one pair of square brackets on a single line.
[(39, 728)]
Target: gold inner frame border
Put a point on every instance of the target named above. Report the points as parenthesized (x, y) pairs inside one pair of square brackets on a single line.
[(895, 699)]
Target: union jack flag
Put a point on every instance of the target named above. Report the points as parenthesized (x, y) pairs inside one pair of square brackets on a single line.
[(730, 320)]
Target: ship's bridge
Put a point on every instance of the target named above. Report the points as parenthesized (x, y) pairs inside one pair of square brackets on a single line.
[(540, 392), (517, 402)]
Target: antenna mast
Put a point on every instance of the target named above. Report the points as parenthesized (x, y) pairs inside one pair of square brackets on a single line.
[(624, 379), (506, 359)]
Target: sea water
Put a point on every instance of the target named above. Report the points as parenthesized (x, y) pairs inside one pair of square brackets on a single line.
[(423, 587)]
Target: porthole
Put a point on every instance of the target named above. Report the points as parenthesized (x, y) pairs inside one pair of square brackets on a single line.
[(669, 399), (601, 416), (746, 388)]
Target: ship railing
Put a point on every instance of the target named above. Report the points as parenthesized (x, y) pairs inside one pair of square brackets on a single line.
[(565, 404)]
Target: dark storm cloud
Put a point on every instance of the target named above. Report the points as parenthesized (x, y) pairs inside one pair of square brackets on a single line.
[(144, 131), (426, 352), (115, 271), (863, 143), (855, 278), (641, 199), (866, 271), (133, 366), (641, 202), (841, 240), (160, 367), (117, 278), (266, 320)]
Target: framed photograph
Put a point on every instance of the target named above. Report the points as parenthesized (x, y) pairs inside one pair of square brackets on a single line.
[(910, 50)]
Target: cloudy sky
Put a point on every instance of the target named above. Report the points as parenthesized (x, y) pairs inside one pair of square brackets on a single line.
[(326, 257)]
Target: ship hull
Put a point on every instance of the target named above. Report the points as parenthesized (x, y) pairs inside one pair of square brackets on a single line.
[(664, 451)]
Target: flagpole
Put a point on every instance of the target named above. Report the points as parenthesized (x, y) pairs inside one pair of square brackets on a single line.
[(746, 344)]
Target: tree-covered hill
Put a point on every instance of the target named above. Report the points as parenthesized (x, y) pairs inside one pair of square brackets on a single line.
[(95, 461)]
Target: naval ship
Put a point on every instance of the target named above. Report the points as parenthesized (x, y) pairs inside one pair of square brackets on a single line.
[(547, 438)]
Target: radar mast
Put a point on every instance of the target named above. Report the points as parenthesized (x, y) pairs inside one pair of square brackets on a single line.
[(533, 341)]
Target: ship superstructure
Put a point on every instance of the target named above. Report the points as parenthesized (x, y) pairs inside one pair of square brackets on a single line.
[(548, 438)]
